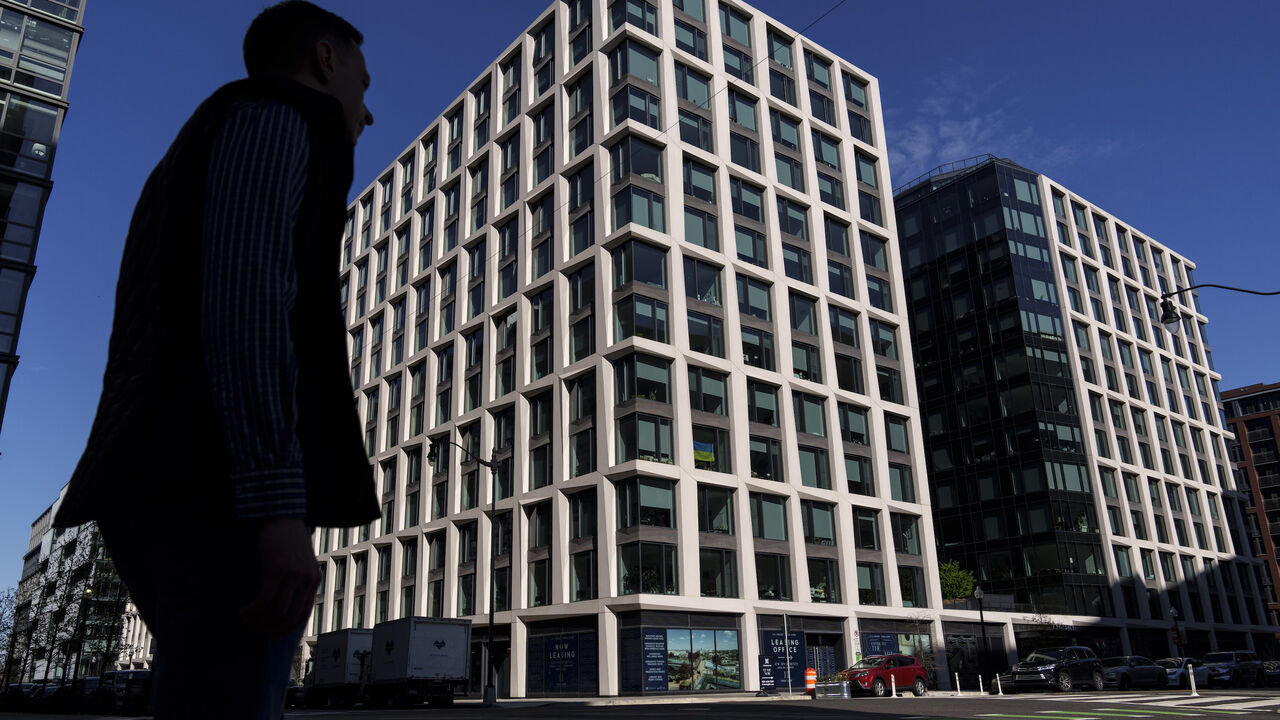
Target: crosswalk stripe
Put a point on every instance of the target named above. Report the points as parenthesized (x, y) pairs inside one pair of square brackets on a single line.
[(1206, 700), (1249, 705)]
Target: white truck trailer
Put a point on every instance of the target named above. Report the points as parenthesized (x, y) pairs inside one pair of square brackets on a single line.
[(340, 669), (419, 658)]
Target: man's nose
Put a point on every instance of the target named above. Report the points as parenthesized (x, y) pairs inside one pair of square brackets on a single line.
[(368, 117)]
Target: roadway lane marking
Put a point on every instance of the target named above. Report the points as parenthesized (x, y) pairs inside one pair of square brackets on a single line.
[(1037, 717), (1108, 712), (1147, 711)]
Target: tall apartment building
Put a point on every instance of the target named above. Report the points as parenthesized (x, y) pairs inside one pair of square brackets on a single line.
[(601, 270), (1077, 459), (38, 40), (1253, 414), (72, 616)]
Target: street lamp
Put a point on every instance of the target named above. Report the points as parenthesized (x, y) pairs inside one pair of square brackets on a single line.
[(982, 621), (490, 688), (1172, 319)]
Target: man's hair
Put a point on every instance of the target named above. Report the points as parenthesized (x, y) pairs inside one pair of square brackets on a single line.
[(280, 39)]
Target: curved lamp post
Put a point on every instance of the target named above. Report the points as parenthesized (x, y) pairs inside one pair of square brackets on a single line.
[(1172, 319), (490, 688)]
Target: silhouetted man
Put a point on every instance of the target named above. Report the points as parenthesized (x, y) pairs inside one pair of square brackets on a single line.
[(227, 426)]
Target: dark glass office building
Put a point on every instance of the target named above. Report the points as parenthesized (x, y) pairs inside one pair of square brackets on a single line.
[(1011, 489)]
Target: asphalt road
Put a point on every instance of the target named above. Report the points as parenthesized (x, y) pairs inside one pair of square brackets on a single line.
[(1110, 705)]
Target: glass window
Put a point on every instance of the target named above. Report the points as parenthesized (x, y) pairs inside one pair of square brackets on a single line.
[(773, 576), (639, 262), (708, 390), (691, 39), (786, 132), (901, 486), (645, 567), (757, 348), (706, 334), (692, 86), (742, 110), (870, 583), (642, 317), (797, 263), (699, 181), (718, 573), (751, 246), (635, 104), (715, 510), (766, 458), (711, 449), (635, 12), (642, 376), (768, 516), (694, 129), (762, 403), (804, 313), (753, 297), (814, 468), (644, 437), (700, 229), (638, 205), (646, 501), (810, 414), (818, 521), (634, 59)]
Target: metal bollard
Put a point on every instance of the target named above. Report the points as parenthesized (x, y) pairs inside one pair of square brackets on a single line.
[(958, 693), (893, 686), (1191, 678), (980, 685), (844, 689), (999, 686)]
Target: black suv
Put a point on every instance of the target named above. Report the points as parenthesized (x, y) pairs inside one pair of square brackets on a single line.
[(1237, 668), (1060, 668)]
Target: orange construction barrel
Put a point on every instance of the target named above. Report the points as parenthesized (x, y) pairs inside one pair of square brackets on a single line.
[(810, 681)]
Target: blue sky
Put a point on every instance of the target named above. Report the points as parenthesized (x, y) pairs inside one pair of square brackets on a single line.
[(1161, 113)]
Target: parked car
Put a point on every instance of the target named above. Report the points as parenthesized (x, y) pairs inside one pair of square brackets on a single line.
[(1126, 671), (877, 674), (1234, 668), (1176, 670), (1061, 668), (1270, 672)]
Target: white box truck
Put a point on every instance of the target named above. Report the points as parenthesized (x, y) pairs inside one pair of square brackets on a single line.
[(419, 658), (340, 669)]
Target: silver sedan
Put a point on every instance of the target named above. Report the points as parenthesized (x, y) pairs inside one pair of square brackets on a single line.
[(1176, 669)]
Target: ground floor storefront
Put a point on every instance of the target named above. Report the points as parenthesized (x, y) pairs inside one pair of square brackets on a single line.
[(666, 651)]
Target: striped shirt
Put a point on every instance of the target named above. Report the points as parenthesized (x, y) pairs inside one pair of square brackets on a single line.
[(257, 179)]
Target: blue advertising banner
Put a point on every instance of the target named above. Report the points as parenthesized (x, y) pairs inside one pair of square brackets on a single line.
[(785, 674), (562, 663), (654, 652), (879, 643)]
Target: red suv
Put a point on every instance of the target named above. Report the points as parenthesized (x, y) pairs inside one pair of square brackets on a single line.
[(872, 674)]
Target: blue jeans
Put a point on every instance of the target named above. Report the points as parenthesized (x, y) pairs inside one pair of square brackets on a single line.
[(189, 585)]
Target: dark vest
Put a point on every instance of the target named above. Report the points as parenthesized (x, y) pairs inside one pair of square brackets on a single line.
[(156, 450)]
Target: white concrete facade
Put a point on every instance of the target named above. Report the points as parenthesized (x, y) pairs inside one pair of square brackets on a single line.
[(1152, 421), (418, 287)]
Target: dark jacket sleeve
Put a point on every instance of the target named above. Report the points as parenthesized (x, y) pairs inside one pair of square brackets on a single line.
[(257, 179)]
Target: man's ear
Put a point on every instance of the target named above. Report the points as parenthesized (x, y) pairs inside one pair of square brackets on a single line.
[(324, 61)]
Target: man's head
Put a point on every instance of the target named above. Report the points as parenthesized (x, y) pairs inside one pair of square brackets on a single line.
[(298, 40)]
